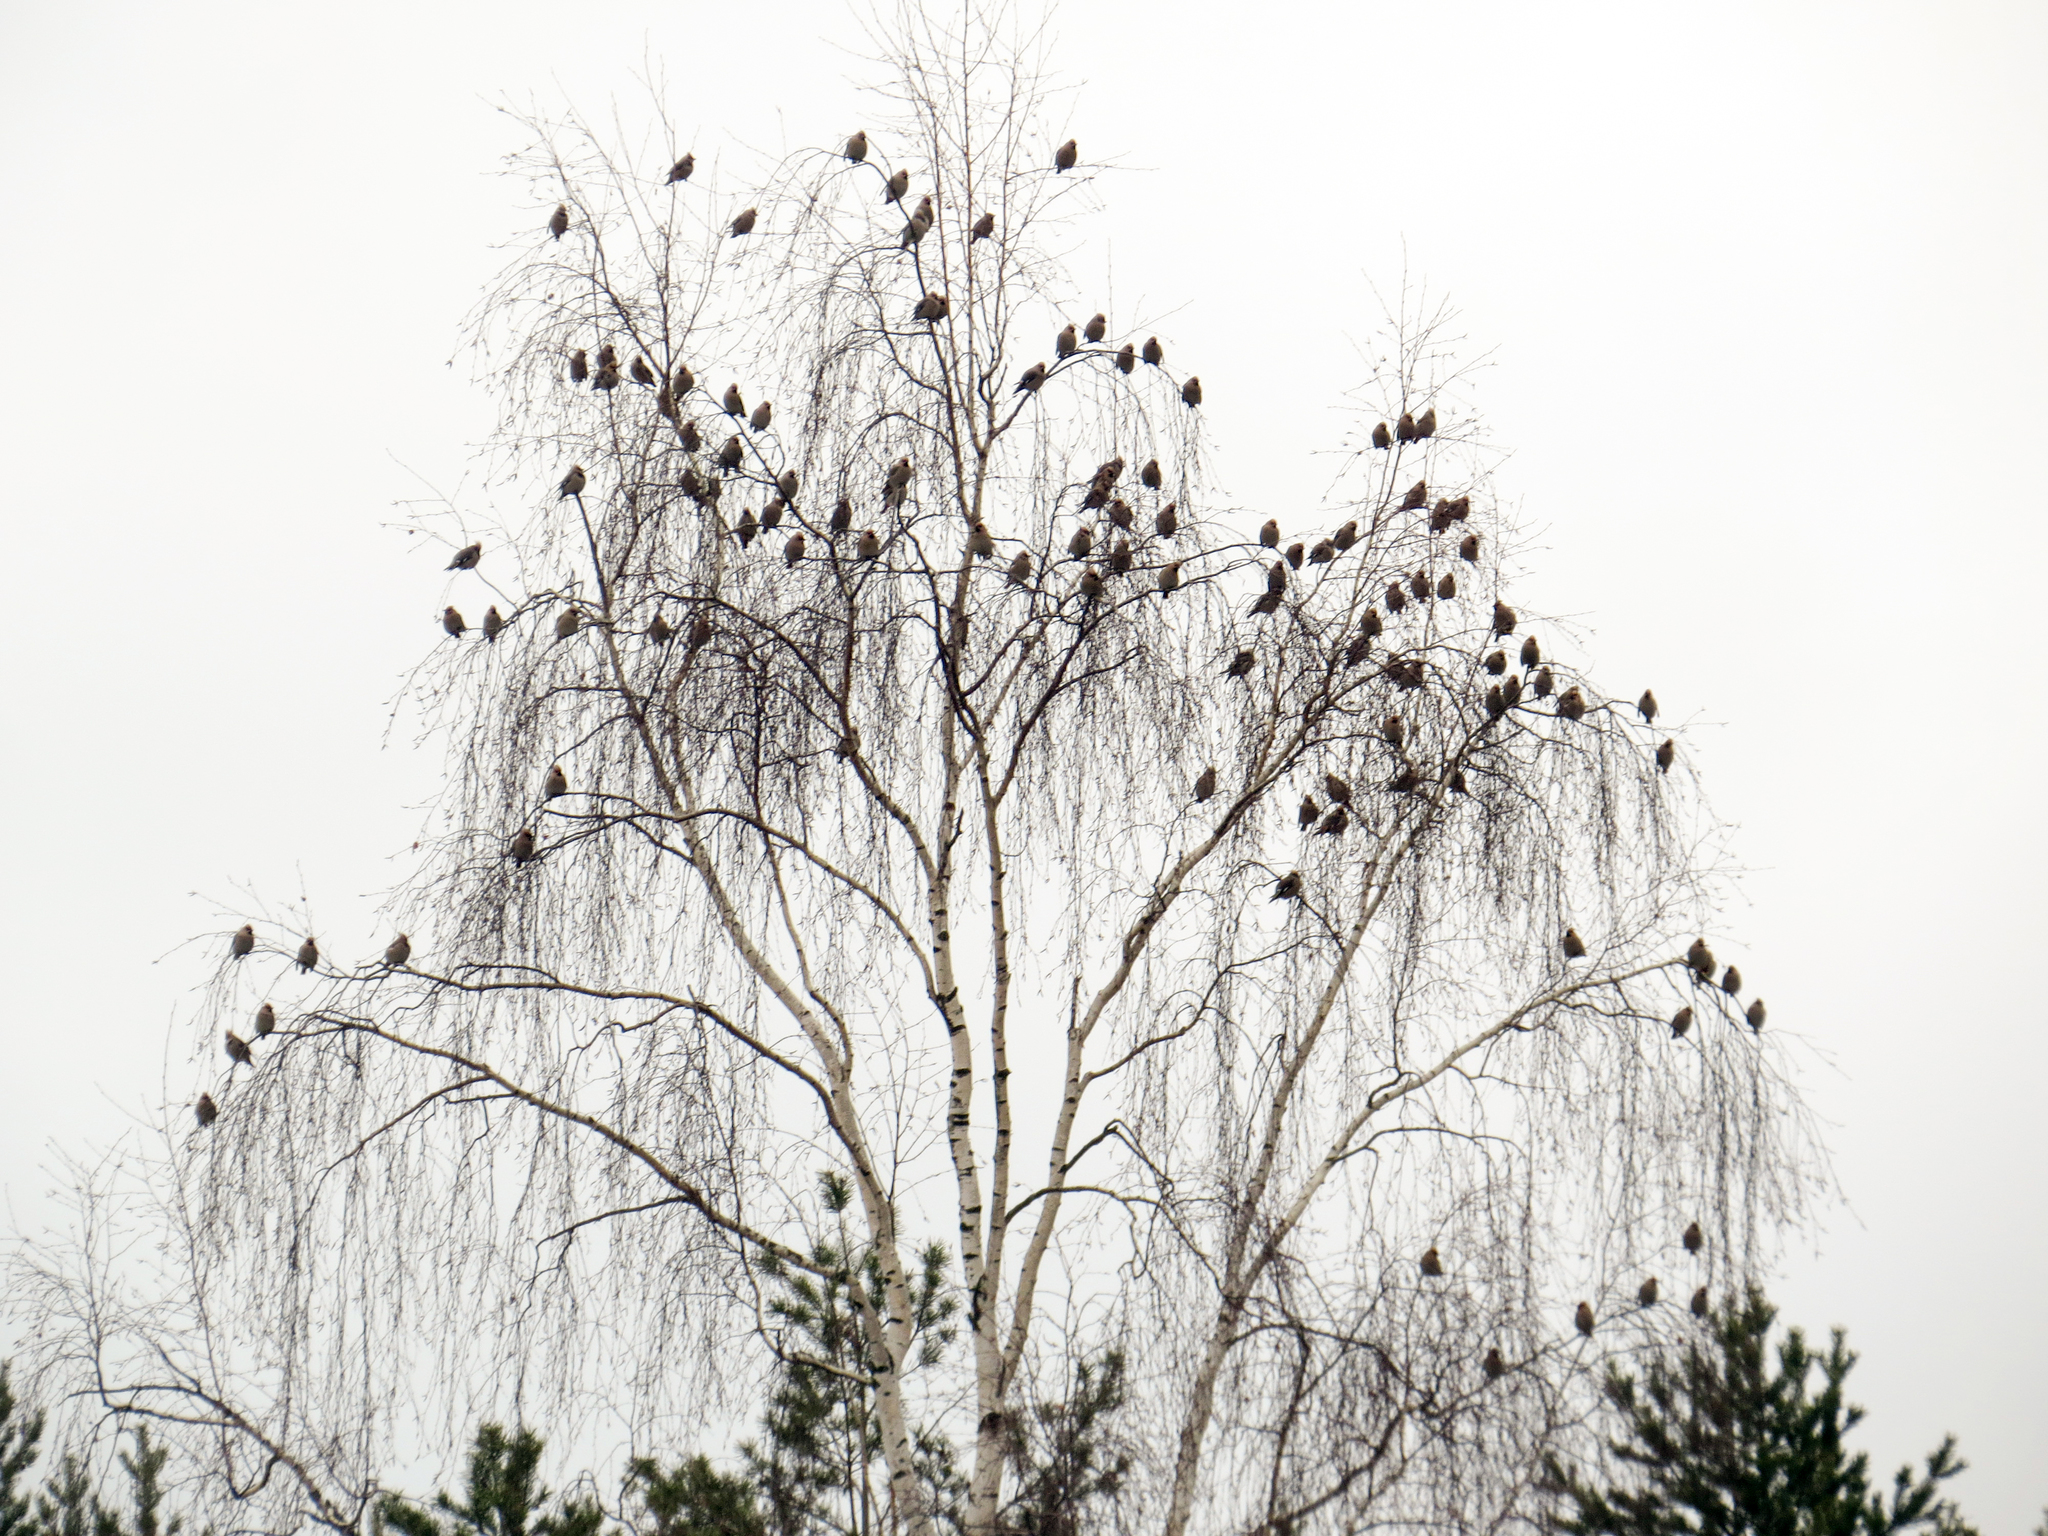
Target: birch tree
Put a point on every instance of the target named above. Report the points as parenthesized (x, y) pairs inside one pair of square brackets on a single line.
[(886, 756)]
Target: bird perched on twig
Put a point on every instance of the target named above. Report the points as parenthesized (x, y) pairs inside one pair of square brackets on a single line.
[(1380, 437), (572, 483), (1065, 157), (494, 623), (1447, 586), (243, 941), (1269, 533), (842, 516), (984, 227), (1288, 887), (1494, 1366), (1120, 558), (607, 377), (522, 845), (466, 558), (266, 1018), (1425, 424), (1308, 814), (1497, 663), (1667, 755), (1584, 1319), (692, 438), (1205, 783), (1241, 664), (763, 414), (1337, 789), (1020, 569), (1699, 1302), (919, 226), (731, 452), (570, 621), (1431, 1264), (1066, 344), (556, 784), (1149, 476), (1531, 654), (1091, 582), (238, 1049), (1681, 1021), (1646, 706), (1647, 1296), (1276, 578), (1127, 358), (1031, 378), (1168, 520), (579, 366), (1468, 548), (1503, 618), (641, 373), (899, 184), (1693, 1239), (980, 543), (558, 221), (1154, 353), (1571, 704), (659, 631), (793, 551), (1731, 981), (1169, 577), (1323, 553), (1334, 823), (857, 146), (1755, 1016), (396, 953), (746, 528), (1574, 946), (1541, 684), (1082, 541), (1701, 959), (1095, 330), (870, 545), (1404, 429), (1191, 392), (931, 308), (680, 171), (744, 224), (1418, 496), (205, 1110), (700, 632), (452, 621)]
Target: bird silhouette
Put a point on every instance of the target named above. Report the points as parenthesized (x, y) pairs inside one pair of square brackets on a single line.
[(1496, 702), (700, 632), (1380, 437), (1404, 430), (1494, 1366), (466, 558), (931, 308), (1082, 541), (1468, 548), (641, 373), (607, 356), (570, 621), (1755, 1016), (1530, 653), (1308, 814), (1405, 779), (1396, 598), (522, 845), (744, 224), (1241, 664), (1149, 476), (732, 452), (980, 543), (1584, 1319), (869, 546), (1699, 1302), (1646, 706), (1095, 330), (1574, 946), (1425, 424), (1647, 1296), (787, 483), (266, 1016), (1154, 353), (1419, 585), (1666, 755), (659, 631), (607, 377), (1354, 653), (1030, 380), (579, 366), (1571, 704), (1169, 577), (735, 405), (1323, 553), (205, 1110), (1394, 730), (1276, 578), (1334, 823), (1503, 618), (572, 483), (1681, 1021), (1418, 496), (1168, 520), (692, 438), (1497, 663), (1127, 359), (1701, 959), (1447, 586), (1372, 625), (983, 227), (899, 184), (1287, 887), (1091, 582), (842, 516), (1268, 602), (919, 226), (556, 785), (763, 414), (899, 474), (1694, 1239), (1431, 1264), (1020, 568), (1205, 784), (1731, 981), (1120, 513), (1294, 556), (238, 1048), (452, 621), (494, 623), (1120, 558), (243, 941), (558, 221), (680, 171), (396, 953), (1269, 533), (857, 146), (1346, 536), (1541, 684), (1191, 392), (1065, 156)]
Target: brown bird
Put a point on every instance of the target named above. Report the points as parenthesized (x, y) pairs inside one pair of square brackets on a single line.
[(607, 377), (1468, 548), (1149, 476), (1168, 521), (734, 404), (787, 483), (466, 558), (1154, 353), (931, 308), (1701, 959), (692, 438), (763, 414), (1120, 558), (680, 171), (1497, 663), (642, 374), (732, 452), (1095, 330), (1323, 553), (1666, 755), (1127, 359), (243, 941), (1120, 513), (1288, 887), (453, 622), (869, 546), (572, 483), (919, 226), (1082, 541), (1091, 582), (1394, 729), (494, 623), (205, 1110), (1334, 823), (558, 221), (857, 146), (659, 631), (1425, 424), (1191, 392), (266, 1016), (579, 366), (1241, 664), (1294, 556), (1418, 496), (899, 474), (1308, 814), (1571, 704), (744, 224), (1681, 1021), (1346, 536), (238, 1048), (1065, 156), (1268, 602), (1540, 685), (1699, 1302), (983, 227), (570, 621), (1396, 598), (1494, 1366), (1694, 1239), (980, 543), (700, 632), (1020, 568), (1496, 702), (1276, 578), (1503, 618), (396, 953), (1205, 783), (1355, 652), (607, 356), (1031, 378), (1755, 1016), (1574, 946), (684, 381), (1380, 437), (1419, 585), (898, 185), (1447, 587), (1431, 1264), (1169, 577), (1372, 624), (1647, 706), (1731, 981), (1404, 780), (1647, 1296), (1404, 430), (1530, 653), (1584, 1319), (522, 845), (842, 516), (1269, 533), (556, 784)]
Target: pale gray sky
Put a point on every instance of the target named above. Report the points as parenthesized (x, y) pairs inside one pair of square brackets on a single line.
[(1765, 294)]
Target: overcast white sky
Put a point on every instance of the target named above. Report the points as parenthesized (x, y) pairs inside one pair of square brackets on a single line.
[(1765, 290)]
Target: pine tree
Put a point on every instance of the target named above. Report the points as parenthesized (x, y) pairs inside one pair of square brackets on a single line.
[(503, 1496), (1066, 1461), (1717, 1444), (67, 1507), (21, 1434), (695, 1499)]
